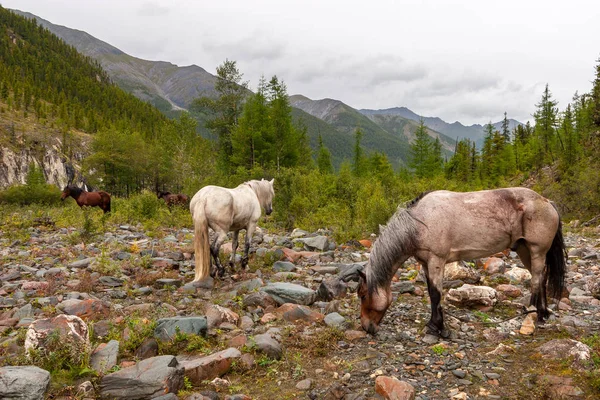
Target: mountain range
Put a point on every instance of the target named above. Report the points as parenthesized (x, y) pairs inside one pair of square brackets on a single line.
[(172, 88)]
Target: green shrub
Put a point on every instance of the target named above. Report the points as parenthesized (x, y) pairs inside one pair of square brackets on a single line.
[(35, 190)]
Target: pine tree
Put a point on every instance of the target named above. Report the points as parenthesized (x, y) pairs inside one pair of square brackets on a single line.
[(569, 135), (506, 129), (225, 110), (324, 158), (421, 151), (358, 156), (545, 126)]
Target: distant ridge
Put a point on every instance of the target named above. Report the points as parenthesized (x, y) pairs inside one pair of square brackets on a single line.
[(453, 130)]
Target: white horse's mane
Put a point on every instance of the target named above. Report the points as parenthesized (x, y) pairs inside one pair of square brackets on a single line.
[(262, 188)]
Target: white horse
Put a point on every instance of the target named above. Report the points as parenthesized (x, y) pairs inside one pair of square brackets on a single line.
[(225, 210)]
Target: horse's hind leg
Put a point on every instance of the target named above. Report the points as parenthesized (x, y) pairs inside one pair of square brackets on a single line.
[(434, 270), (234, 246), (214, 250), (536, 265), (249, 232)]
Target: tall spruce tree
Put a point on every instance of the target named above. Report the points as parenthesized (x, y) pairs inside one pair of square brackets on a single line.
[(358, 156), (226, 109), (324, 158), (421, 151), (545, 127)]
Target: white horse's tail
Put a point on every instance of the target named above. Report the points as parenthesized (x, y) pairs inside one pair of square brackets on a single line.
[(201, 242)]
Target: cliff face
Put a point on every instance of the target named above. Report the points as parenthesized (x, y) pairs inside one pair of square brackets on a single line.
[(58, 171)]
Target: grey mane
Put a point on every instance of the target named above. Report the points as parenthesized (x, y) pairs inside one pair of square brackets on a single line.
[(397, 240), (414, 201), (261, 188)]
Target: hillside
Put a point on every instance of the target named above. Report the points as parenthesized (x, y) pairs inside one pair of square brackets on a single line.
[(166, 86), (346, 120), (452, 130), (405, 127)]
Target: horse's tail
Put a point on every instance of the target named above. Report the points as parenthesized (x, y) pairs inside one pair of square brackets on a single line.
[(556, 262), (106, 201), (201, 242)]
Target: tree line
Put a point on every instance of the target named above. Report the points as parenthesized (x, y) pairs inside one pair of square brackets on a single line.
[(134, 147)]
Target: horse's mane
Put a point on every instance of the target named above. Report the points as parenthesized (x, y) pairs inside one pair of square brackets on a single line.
[(414, 201), (75, 191), (397, 239)]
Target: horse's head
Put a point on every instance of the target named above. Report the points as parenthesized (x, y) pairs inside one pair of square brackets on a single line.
[(65, 193), (162, 194), (373, 304), (268, 194)]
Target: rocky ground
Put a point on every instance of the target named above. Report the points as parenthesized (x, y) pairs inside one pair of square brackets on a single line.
[(116, 317)]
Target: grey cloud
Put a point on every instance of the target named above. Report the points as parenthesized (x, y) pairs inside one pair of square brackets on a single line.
[(258, 46), (363, 72), (152, 9)]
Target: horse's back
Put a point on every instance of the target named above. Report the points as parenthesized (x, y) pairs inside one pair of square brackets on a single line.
[(234, 207), (467, 223)]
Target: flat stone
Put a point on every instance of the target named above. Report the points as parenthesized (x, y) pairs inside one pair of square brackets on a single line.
[(199, 369), (462, 272), (216, 314), (336, 320), (260, 299), (393, 389), (23, 383), (459, 373), (283, 292), (304, 384), (111, 281), (166, 328), (167, 282), (295, 312), (266, 344), (149, 378), (105, 356), (331, 288), (352, 335), (86, 309), (82, 263), (283, 266), (316, 243), (325, 269), (469, 295)]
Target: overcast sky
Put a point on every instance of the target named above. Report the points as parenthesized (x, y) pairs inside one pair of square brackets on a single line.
[(459, 60)]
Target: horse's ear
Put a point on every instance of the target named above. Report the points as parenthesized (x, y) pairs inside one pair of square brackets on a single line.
[(362, 275), (272, 181)]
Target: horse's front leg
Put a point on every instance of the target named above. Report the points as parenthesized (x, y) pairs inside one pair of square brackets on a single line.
[(249, 232), (234, 246), (434, 271)]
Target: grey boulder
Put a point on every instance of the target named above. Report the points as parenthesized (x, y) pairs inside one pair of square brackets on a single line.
[(147, 379), (23, 383)]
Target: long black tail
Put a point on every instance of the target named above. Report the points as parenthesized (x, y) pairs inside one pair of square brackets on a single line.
[(556, 262)]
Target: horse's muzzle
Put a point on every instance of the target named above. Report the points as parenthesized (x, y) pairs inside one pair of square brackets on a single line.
[(371, 328), (268, 211)]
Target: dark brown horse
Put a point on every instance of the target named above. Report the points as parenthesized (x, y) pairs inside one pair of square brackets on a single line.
[(90, 199), (174, 199), (441, 227)]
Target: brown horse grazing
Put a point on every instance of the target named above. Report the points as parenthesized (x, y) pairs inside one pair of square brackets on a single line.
[(90, 199), (441, 227), (174, 199)]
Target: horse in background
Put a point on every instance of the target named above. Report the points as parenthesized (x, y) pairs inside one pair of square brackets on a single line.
[(172, 199), (225, 210), (441, 227), (90, 199)]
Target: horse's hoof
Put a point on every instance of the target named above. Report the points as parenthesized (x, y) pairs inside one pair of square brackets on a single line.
[(445, 333)]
